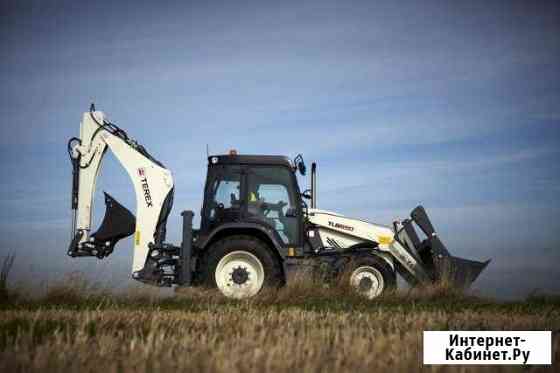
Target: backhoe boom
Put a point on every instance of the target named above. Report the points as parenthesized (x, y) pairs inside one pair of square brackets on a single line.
[(152, 182)]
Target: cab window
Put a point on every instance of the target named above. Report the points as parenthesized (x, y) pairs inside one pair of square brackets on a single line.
[(270, 198), (223, 197)]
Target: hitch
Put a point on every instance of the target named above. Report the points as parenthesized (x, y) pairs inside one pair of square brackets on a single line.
[(168, 265), (161, 266)]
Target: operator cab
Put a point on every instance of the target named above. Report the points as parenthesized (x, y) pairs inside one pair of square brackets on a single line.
[(253, 189)]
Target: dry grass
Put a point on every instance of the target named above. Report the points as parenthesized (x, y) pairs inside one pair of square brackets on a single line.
[(7, 263), (302, 327)]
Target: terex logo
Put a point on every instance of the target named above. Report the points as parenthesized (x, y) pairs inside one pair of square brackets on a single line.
[(341, 226), (145, 187)]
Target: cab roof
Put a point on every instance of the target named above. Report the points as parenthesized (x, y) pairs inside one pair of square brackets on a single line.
[(267, 160)]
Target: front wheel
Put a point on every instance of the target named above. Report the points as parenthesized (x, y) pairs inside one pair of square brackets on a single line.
[(240, 266), (371, 276)]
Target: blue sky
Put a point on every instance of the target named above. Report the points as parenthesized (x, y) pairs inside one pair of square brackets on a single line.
[(455, 105)]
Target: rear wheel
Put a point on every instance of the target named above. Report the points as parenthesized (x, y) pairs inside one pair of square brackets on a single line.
[(240, 266), (371, 276)]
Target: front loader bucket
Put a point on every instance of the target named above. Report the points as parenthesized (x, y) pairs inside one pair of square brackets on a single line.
[(452, 270), (458, 272), (455, 271)]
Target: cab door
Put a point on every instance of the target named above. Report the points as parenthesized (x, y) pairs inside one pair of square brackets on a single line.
[(223, 202), (272, 198)]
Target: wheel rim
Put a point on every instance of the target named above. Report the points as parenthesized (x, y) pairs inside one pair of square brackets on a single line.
[(239, 274), (368, 281)]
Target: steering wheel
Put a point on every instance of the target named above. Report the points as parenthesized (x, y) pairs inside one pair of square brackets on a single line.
[(267, 207)]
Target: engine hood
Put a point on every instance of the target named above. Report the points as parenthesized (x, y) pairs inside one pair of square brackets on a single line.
[(358, 228)]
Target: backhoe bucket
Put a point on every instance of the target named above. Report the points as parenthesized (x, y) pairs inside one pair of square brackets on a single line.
[(117, 223), (445, 268)]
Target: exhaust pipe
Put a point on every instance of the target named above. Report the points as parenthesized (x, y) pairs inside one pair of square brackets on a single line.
[(313, 185)]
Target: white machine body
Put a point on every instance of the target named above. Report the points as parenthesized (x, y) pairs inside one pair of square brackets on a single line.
[(157, 262), (339, 232)]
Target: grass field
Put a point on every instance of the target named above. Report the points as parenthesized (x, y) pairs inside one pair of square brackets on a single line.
[(301, 327)]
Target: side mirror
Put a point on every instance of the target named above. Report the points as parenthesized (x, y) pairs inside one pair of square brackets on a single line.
[(299, 164), (301, 167)]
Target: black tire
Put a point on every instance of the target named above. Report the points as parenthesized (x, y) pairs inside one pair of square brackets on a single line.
[(388, 275), (273, 274)]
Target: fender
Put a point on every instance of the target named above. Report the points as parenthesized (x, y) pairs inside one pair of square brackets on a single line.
[(372, 248), (270, 233)]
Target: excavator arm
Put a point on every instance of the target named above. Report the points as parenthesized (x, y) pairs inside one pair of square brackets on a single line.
[(153, 186)]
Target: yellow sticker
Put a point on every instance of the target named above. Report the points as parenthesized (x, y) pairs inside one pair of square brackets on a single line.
[(137, 238), (385, 240)]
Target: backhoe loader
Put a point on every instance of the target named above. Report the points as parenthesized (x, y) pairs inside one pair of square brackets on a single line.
[(257, 227)]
